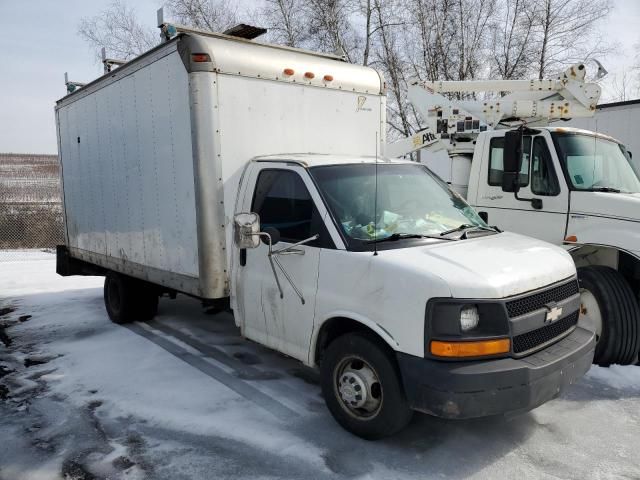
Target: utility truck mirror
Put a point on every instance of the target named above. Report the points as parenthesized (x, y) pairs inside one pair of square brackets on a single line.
[(246, 230), (512, 161), (273, 233), (511, 182)]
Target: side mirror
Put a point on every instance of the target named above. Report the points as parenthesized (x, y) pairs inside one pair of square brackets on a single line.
[(274, 233), (630, 154), (512, 161), (246, 227), (511, 182)]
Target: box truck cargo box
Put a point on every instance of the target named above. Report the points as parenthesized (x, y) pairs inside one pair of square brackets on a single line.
[(246, 173)]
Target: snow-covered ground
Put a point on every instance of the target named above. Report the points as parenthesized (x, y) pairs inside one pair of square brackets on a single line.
[(185, 397)]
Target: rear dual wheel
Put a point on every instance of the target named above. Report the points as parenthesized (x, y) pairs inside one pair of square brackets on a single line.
[(128, 299), (610, 309)]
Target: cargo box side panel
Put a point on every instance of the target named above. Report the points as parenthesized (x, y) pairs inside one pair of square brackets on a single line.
[(262, 117), (129, 186), (79, 152)]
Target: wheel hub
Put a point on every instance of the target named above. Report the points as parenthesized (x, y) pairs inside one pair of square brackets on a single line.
[(358, 388), (590, 314), (353, 390)]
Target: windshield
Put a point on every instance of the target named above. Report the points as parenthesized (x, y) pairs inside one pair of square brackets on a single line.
[(594, 163), (411, 201)]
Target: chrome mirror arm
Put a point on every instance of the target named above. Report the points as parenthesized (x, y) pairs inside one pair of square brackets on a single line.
[(284, 272), (290, 250)]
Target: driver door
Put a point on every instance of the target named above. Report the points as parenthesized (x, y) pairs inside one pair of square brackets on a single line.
[(283, 201), (539, 178)]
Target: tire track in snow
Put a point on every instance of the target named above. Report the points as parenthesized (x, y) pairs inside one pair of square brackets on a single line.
[(271, 383), (242, 388)]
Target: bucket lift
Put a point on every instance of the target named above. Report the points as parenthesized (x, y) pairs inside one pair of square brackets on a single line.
[(454, 124)]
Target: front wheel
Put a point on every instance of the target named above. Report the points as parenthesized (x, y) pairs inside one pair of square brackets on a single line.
[(362, 387), (610, 309)]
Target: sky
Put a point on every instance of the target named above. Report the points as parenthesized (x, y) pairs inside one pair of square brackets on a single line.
[(39, 42)]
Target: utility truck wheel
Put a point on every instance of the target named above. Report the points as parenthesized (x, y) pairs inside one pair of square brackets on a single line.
[(362, 387), (128, 299), (610, 309)]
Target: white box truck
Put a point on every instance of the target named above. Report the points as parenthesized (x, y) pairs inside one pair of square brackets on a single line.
[(185, 171), (572, 187)]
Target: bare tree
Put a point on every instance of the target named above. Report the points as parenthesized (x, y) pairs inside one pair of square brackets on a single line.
[(331, 28), (512, 45), (366, 11), (404, 39), (213, 15), (117, 29), (567, 32), (474, 18), (390, 59), (623, 86), (285, 21)]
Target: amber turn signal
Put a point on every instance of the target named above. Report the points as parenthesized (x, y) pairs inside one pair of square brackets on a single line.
[(470, 349), (571, 239)]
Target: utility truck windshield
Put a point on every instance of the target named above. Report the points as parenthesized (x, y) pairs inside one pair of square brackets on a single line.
[(596, 164), (412, 203)]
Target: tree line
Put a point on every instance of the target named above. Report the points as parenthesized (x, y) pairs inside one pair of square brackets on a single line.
[(404, 39)]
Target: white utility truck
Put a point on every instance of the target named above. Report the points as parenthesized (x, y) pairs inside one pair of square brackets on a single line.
[(570, 187), (617, 119), (176, 179)]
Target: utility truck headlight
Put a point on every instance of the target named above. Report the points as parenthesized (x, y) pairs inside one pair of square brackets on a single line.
[(469, 318)]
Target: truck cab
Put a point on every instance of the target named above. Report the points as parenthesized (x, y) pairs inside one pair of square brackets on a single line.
[(581, 190), (405, 301)]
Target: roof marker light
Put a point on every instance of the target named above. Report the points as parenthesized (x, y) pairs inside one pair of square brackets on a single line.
[(288, 71), (309, 75), (328, 78), (200, 57)]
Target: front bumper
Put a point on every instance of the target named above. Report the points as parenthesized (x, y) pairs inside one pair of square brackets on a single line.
[(491, 387)]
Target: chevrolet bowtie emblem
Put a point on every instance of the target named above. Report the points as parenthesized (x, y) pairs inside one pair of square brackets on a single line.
[(553, 314)]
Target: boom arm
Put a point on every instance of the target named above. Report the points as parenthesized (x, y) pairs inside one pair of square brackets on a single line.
[(450, 123)]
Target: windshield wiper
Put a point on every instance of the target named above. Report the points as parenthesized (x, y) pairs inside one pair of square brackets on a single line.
[(401, 236), (468, 226), (605, 189)]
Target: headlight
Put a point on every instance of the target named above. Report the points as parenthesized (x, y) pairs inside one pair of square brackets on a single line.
[(469, 318)]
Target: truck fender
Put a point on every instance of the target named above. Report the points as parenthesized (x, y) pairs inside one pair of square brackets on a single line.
[(575, 248), (355, 317), (598, 234)]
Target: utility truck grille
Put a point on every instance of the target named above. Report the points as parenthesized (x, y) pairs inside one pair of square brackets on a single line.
[(540, 336), (537, 301)]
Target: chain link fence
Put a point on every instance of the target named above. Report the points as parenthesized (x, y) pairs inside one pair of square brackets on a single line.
[(30, 205)]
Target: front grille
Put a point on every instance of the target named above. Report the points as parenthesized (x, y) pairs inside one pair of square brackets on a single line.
[(535, 338), (537, 301)]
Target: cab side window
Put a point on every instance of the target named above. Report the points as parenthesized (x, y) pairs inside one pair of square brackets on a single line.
[(283, 202), (543, 176), (496, 164)]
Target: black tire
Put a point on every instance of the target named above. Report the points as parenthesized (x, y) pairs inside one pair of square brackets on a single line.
[(393, 413), (620, 339), (127, 299)]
